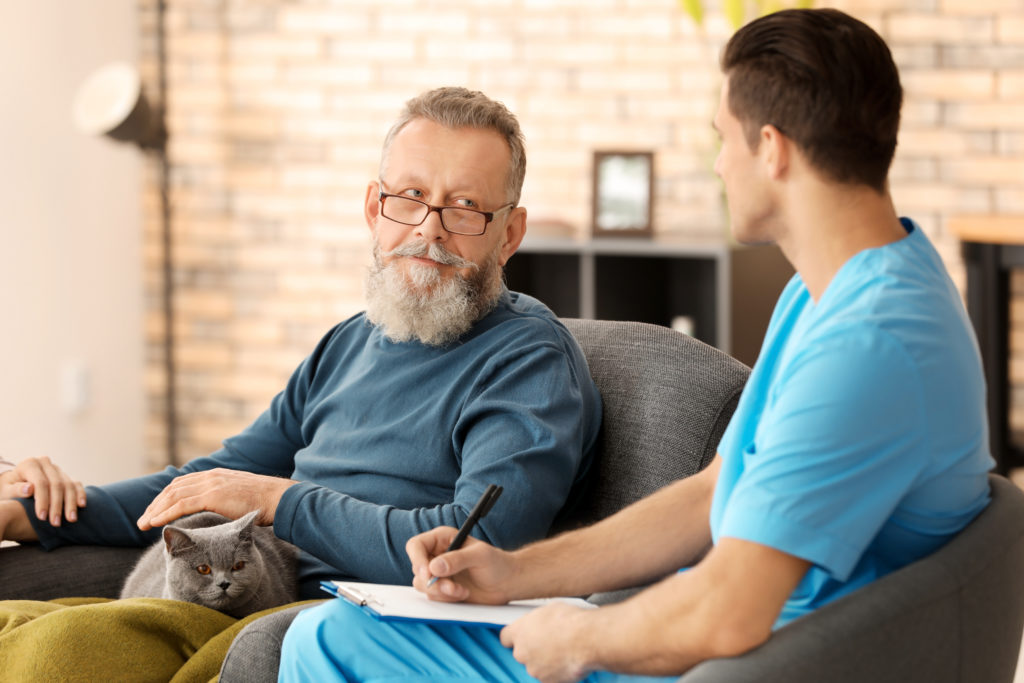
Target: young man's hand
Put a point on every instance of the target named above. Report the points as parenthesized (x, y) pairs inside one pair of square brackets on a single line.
[(554, 642), (477, 572), (57, 496)]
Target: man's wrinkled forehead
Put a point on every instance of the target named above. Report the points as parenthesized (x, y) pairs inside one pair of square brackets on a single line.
[(425, 152)]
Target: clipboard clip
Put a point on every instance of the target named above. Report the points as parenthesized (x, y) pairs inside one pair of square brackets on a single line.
[(356, 596)]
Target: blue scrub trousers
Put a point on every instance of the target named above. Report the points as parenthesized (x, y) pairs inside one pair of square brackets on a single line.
[(337, 641)]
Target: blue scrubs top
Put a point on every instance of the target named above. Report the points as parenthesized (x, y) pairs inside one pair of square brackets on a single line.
[(860, 442)]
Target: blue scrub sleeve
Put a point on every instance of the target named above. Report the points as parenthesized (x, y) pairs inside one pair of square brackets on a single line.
[(841, 443)]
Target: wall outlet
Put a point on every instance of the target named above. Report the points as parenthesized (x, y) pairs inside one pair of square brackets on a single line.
[(75, 392)]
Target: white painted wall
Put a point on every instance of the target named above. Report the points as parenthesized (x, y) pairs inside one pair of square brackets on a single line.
[(70, 264)]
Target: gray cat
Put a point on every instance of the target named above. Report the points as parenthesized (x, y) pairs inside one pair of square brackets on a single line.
[(235, 567)]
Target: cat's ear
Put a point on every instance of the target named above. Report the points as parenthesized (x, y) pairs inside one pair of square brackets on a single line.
[(177, 540), (245, 524), (249, 518)]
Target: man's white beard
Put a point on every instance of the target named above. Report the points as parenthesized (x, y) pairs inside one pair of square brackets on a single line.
[(422, 305)]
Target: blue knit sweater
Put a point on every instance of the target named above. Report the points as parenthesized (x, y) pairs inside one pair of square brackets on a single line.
[(390, 440)]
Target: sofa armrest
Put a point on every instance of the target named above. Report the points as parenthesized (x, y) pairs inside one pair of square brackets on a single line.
[(255, 653), (954, 616), (902, 628), (27, 572)]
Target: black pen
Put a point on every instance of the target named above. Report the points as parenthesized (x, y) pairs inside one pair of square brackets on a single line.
[(482, 507)]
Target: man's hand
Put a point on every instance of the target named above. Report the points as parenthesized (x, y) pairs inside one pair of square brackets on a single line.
[(231, 493), (553, 642), (56, 495), (477, 572)]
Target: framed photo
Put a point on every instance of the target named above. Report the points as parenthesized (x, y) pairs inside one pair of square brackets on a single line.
[(623, 193)]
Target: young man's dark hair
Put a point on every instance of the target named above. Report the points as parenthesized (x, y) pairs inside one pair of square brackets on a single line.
[(825, 80)]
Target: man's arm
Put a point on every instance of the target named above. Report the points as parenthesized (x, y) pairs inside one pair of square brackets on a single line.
[(112, 515), (632, 547), (114, 511), (513, 430), (523, 419), (637, 545), (723, 607)]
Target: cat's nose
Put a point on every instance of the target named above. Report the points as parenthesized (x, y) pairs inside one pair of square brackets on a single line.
[(224, 584)]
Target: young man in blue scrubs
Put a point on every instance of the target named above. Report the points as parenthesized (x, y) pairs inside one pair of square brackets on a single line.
[(859, 444)]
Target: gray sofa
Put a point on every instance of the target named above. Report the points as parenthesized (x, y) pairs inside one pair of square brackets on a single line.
[(954, 616)]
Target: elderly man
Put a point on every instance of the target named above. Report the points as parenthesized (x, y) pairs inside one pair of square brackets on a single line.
[(402, 415), (858, 446)]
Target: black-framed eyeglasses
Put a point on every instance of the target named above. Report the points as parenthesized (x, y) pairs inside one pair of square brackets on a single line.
[(454, 219)]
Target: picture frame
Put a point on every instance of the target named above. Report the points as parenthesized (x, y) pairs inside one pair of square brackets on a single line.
[(623, 194)]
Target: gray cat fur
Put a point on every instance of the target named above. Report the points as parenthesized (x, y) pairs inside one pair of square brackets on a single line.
[(168, 569)]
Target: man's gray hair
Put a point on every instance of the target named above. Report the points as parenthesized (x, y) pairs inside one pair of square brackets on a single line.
[(454, 107)]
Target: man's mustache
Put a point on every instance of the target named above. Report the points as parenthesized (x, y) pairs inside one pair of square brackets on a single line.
[(433, 251)]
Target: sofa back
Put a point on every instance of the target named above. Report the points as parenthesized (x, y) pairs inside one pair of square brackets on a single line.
[(667, 400)]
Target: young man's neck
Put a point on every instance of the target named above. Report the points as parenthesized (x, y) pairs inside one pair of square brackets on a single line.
[(827, 224)]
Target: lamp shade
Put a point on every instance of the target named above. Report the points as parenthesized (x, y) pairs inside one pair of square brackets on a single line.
[(111, 102)]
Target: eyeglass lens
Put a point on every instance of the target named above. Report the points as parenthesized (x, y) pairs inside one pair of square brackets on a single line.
[(413, 212)]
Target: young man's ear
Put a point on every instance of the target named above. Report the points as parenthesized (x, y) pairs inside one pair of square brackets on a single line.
[(775, 150), (514, 231), (371, 206)]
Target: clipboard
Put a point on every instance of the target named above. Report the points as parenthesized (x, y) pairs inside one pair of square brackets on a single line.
[(404, 603)]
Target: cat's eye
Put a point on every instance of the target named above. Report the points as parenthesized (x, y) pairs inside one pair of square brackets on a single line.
[(203, 569), (239, 566)]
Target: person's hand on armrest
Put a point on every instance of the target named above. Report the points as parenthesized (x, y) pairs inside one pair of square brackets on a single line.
[(57, 496), (14, 524)]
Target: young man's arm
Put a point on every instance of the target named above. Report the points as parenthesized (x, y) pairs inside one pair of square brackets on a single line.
[(723, 607), (629, 548)]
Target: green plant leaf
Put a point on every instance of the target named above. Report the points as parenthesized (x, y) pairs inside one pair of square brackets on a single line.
[(735, 12), (695, 8)]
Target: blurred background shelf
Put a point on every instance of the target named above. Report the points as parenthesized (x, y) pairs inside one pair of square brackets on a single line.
[(993, 247), (721, 293)]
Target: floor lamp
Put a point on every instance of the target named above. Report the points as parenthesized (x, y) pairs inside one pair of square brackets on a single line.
[(111, 103)]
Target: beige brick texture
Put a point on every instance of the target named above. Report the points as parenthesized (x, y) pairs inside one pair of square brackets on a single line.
[(276, 114)]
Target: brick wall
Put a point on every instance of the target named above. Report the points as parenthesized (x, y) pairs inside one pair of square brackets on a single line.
[(277, 111)]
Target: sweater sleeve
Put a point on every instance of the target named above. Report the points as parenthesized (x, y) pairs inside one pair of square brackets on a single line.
[(112, 510), (267, 447), (526, 428)]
